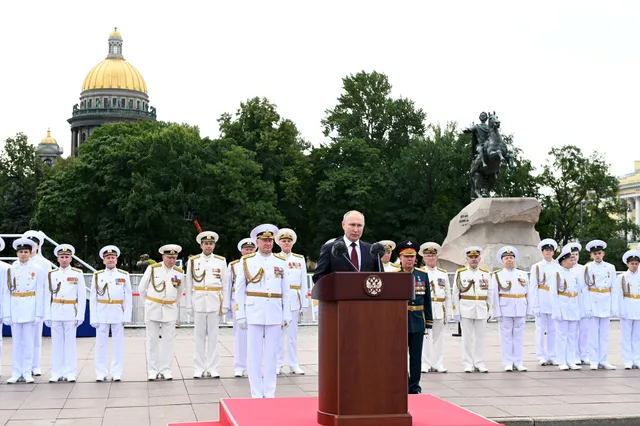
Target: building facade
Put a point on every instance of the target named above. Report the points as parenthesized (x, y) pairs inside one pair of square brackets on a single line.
[(112, 91), (629, 191), (48, 149)]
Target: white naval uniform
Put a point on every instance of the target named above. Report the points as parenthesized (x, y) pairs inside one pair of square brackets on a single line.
[(239, 335), (3, 285), (565, 302), (64, 305), (23, 308), (582, 336), (511, 303), (600, 306), (160, 310), (296, 267), (265, 306), (432, 356), (627, 291), (208, 292), (390, 267), (473, 307), (541, 274), (46, 266), (110, 310)]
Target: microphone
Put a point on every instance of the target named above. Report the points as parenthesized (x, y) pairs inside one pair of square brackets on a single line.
[(378, 250), (340, 249)]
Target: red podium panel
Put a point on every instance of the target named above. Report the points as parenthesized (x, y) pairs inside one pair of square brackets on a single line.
[(362, 348)]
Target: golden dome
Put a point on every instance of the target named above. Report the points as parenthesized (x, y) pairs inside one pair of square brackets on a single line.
[(115, 33), (114, 73), (48, 139)]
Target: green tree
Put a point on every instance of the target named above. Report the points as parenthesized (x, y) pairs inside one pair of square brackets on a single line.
[(21, 172)]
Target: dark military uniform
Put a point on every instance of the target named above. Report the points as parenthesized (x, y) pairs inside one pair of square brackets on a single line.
[(420, 318)]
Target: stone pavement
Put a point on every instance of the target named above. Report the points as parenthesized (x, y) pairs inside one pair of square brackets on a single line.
[(543, 395)]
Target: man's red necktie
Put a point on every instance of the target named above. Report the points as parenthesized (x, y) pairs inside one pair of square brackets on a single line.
[(354, 256)]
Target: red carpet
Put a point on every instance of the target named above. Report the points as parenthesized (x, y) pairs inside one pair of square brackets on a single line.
[(426, 410)]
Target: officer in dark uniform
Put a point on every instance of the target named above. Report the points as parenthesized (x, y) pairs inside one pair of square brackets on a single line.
[(419, 311)]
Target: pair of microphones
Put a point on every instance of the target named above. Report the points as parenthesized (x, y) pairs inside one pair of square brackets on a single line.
[(377, 250)]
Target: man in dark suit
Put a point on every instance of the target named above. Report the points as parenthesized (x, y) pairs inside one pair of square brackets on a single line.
[(357, 251)]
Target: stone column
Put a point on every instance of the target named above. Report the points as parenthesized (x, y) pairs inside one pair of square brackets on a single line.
[(637, 210)]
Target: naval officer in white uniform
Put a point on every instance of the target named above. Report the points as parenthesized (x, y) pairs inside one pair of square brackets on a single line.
[(627, 291), (262, 290)]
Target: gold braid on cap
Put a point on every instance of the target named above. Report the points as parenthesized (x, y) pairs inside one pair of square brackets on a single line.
[(195, 277), (587, 280), (565, 283), (54, 292), (256, 278), (461, 287), (507, 288)]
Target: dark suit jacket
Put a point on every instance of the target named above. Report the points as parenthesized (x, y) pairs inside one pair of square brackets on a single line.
[(328, 264)]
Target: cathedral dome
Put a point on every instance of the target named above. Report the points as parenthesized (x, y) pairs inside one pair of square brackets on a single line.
[(48, 139), (115, 72)]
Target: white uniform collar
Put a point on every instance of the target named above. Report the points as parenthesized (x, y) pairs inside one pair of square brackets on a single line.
[(207, 256), (65, 269)]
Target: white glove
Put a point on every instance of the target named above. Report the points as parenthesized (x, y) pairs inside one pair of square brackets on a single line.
[(7, 321), (536, 312), (242, 323), (79, 323), (426, 331), (225, 311), (302, 311), (48, 323), (37, 320), (95, 325), (456, 318), (622, 315), (589, 314)]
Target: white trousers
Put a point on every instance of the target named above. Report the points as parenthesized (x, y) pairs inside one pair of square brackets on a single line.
[(566, 342), (64, 362), (239, 346), (432, 356), (292, 342), (599, 340), (23, 342), (582, 340), (630, 341), (545, 345), (37, 345), (262, 341), (473, 342), (160, 351), (101, 362), (207, 354), (512, 340)]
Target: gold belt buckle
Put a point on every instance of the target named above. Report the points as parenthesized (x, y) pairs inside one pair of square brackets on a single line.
[(269, 294)]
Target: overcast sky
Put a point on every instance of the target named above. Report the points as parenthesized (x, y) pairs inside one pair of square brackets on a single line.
[(556, 72)]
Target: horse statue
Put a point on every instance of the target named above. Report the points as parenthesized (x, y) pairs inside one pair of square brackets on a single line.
[(489, 158)]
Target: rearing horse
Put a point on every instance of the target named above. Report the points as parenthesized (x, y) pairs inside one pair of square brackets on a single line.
[(486, 166)]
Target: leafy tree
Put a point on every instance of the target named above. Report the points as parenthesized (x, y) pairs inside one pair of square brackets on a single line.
[(21, 172)]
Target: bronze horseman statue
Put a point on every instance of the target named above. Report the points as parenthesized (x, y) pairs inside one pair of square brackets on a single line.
[(489, 153)]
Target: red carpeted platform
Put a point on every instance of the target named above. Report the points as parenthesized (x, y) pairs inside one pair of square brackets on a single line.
[(426, 410)]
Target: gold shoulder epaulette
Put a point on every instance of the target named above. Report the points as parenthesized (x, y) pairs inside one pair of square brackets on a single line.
[(156, 265), (484, 269), (234, 262), (497, 270), (77, 270), (53, 270), (395, 265), (219, 257), (246, 256), (279, 256), (98, 272), (464, 268), (123, 271), (178, 269), (442, 270), (195, 256), (298, 255)]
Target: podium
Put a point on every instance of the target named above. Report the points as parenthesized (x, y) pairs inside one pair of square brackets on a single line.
[(362, 348)]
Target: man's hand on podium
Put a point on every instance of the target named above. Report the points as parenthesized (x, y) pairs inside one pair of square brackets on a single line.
[(242, 323)]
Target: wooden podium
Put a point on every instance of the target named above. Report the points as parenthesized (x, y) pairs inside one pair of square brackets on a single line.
[(362, 348)]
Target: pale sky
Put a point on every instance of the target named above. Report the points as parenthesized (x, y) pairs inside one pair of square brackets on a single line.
[(555, 72)]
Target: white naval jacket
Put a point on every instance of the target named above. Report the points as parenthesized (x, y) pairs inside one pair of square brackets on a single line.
[(599, 279), (627, 292), (234, 269), (390, 267), (541, 275), (263, 275), (472, 294), (23, 298), (511, 296), (564, 288), (111, 300), (440, 293), (65, 295), (578, 272), (4, 267), (207, 288), (162, 301), (296, 272)]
